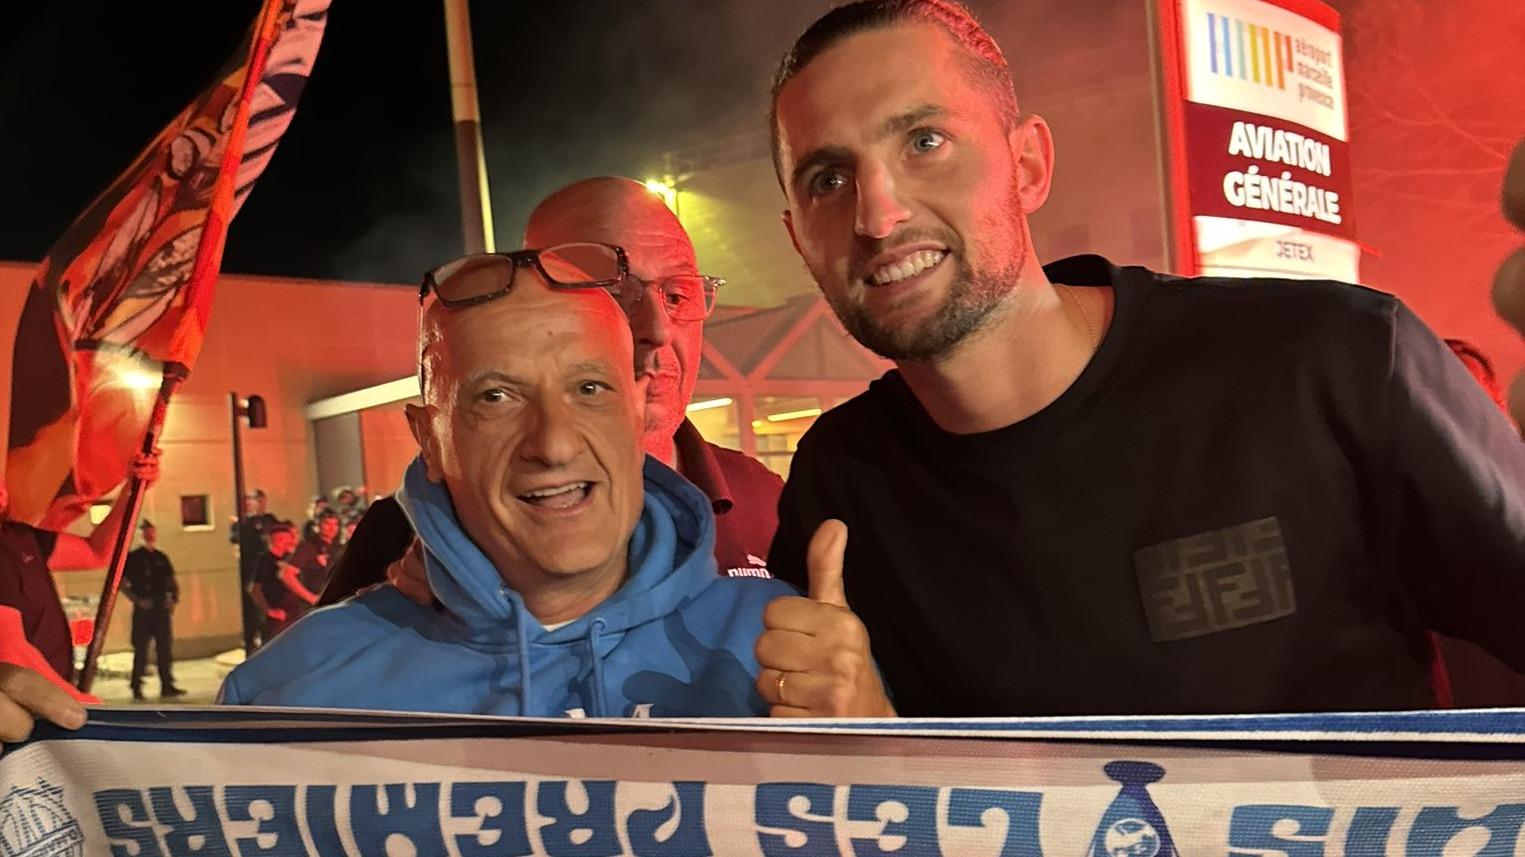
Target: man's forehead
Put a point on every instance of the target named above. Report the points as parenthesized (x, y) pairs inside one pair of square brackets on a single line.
[(850, 91), (515, 329)]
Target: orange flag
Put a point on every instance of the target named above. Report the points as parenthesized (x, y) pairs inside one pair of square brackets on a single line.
[(128, 287)]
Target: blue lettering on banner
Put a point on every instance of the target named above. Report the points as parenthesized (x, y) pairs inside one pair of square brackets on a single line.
[(794, 818), (1254, 828), (687, 840), (498, 809), (129, 827), (197, 833), (578, 834), (583, 818), (274, 809), (1370, 830), (1436, 826), (383, 818), (322, 820), (974, 808), (907, 815)]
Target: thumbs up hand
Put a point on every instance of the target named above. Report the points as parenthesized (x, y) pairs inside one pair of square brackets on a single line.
[(1509, 285), (814, 652)]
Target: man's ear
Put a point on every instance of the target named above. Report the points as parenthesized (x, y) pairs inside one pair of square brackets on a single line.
[(421, 423), (788, 218), (1032, 152)]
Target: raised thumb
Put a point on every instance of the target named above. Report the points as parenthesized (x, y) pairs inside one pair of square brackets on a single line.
[(824, 562)]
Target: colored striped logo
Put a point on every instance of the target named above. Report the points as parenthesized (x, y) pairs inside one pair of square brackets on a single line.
[(1249, 52)]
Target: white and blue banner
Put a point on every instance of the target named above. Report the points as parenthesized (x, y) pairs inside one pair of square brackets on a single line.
[(149, 783)]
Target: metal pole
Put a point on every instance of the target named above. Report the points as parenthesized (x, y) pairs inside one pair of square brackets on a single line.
[(470, 159), (174, 375), (245, 555)]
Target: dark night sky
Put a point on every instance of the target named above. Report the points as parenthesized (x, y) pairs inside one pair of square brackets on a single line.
[(363, 186)]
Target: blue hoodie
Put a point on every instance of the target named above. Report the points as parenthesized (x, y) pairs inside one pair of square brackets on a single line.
[(675, 640)]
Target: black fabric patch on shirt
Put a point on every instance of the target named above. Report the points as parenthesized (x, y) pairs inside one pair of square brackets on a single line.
[(1215, 581)]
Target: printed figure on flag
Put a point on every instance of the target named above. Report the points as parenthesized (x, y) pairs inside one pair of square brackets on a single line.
[(127, 289)]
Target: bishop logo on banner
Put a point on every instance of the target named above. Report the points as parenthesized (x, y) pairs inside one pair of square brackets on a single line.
[(127, 289)]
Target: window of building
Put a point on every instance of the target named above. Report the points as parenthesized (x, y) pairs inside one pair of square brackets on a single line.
[(195, 512)]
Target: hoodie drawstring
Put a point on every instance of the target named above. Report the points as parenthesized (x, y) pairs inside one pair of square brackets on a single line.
[(594, 628), (524, 664)]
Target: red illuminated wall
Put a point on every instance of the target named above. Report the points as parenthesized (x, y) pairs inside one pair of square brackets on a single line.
[(1437, 101), (291, 341)]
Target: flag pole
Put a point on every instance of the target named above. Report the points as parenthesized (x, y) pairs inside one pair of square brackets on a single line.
[(174, 374), (470, 159)]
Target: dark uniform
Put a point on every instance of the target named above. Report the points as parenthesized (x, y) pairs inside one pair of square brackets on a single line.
[(251, 541), (149, 580)]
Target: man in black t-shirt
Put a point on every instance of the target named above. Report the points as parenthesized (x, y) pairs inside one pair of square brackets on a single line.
[(315, 554), (1089, 489), (271, 585)]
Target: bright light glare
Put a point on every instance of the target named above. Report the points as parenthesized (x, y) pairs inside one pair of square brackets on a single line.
[(136, 379), (708, 404), (666, 191), (794, 415)]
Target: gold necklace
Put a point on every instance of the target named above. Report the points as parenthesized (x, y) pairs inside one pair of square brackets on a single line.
[(1084, 316)]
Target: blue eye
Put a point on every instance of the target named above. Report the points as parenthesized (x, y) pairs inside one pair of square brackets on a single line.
[(927, 141)]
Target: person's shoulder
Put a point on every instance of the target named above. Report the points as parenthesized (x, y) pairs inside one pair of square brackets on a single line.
[(1320, 301), (744, 469), (327, 636), (844, 426), (20, 528), (356, 621)]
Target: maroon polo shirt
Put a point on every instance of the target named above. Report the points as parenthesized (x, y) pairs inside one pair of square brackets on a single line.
[(26, 584), (744, 495)]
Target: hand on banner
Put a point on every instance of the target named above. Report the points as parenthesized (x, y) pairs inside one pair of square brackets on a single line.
[(146, 467), (410, 577), (26, 695), (1509, 285), (814, 652)]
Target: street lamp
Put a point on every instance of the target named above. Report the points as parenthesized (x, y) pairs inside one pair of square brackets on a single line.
[(667, 189), (253, 410)]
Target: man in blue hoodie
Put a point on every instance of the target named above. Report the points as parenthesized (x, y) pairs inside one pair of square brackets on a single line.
[(575, 574)]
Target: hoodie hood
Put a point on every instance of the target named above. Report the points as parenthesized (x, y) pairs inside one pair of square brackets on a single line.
[(671, 555)]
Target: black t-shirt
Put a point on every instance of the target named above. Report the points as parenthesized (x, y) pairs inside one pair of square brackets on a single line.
[(1257, 497), (267, 576), (313, 558)]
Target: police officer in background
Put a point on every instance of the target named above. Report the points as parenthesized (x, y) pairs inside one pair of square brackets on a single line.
[(149, 580)]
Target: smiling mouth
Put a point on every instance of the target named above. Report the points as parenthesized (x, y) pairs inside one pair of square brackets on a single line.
[(906, 268), (560, 497)]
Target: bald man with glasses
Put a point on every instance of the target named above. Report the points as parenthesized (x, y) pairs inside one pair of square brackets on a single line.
[(666, 299)]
